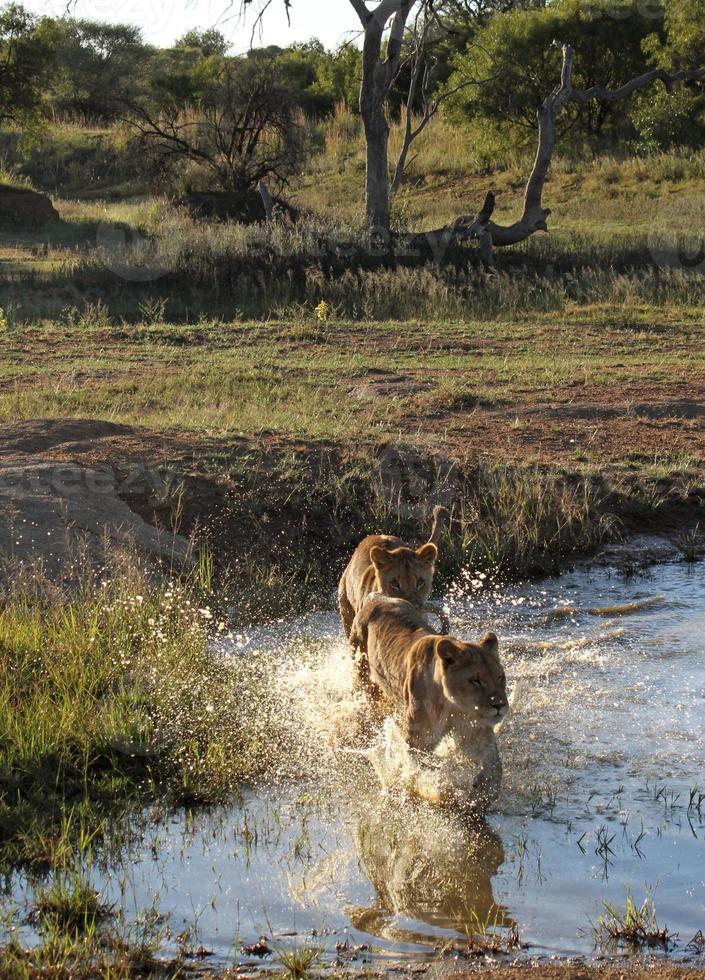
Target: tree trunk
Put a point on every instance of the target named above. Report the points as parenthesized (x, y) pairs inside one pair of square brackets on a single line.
[(534, 215), (373, 94), (377, 76), (377, 175)]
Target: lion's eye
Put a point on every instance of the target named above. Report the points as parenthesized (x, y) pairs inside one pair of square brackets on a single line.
[(420, 583), (476, 683), (395, 583)]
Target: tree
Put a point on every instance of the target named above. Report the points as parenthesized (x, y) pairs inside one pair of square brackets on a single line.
[(97, 64), (27, 64), (208, 42), (236, 120), (299, 67), (514, 55), (339, 74)]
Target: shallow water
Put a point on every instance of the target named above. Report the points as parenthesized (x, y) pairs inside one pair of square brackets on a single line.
[(600, 752)]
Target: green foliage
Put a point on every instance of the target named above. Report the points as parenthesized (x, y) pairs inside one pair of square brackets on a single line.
[(208, 42), (85, 70), (684, 45), (338, 77), (664, 120), (513, 58), (318, 79), (97, 65), (26, 65)]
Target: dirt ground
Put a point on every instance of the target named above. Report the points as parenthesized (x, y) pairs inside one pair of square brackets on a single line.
[(630, 969), (581, 971), (605, 424)]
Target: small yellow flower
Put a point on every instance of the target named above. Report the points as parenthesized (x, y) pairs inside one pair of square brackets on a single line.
[(323, 311)]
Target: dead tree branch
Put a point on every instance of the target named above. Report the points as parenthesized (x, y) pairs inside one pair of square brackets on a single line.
[(535, 215)]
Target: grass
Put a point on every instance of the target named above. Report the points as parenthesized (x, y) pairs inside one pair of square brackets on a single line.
[(690, 544), (127, 256), (108, 696), (216, 375), (635, 925), (70, 905), (297, 963), (80, 939)]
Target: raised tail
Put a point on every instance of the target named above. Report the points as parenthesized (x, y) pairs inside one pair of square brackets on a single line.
[(441, 516)]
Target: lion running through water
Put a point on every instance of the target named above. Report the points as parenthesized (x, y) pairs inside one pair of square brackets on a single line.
[(435, 686), (384, 564)]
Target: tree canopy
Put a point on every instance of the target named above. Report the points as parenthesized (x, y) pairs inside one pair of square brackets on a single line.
[(27, 62)]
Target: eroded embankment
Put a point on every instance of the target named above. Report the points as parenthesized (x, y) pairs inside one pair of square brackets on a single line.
[(279, 517)]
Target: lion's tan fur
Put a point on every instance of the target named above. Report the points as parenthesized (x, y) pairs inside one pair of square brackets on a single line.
[(435, 684), (384, 564)]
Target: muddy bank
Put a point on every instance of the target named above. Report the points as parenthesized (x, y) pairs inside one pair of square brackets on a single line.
[(540, 970), (283, 514), (656, 969)]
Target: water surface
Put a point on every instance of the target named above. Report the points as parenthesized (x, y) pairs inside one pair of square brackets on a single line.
[(602, 753)]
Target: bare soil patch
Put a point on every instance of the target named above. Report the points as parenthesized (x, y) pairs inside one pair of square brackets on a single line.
[(604, 424)]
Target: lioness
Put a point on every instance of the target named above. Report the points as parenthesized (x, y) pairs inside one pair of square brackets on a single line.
[(383, 563), (436, 684)]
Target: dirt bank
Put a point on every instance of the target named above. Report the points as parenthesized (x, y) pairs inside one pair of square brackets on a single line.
[(626, 969), (65, 486), (657, 970), (281, 515)]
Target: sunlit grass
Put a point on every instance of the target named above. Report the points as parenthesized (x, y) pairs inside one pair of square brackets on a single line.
[(107, 693), (635, 925)]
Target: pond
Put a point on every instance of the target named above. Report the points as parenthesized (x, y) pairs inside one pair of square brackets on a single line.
[(603, 792)]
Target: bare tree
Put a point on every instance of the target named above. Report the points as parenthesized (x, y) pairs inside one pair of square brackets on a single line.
[(535, 215), (242, 126)]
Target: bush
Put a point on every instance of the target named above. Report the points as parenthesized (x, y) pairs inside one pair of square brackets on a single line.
[(666, 120)]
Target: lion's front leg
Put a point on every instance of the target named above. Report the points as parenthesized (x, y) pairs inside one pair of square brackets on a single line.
[(416, 727), (347, 613), (480, 745)]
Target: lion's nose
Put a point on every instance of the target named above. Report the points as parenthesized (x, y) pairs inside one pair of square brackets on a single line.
[(498, 701)]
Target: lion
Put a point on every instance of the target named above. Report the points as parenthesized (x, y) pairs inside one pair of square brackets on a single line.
[(436, 685), (384, 564)]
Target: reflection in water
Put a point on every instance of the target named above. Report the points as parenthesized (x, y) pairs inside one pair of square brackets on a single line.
[(427, 867)]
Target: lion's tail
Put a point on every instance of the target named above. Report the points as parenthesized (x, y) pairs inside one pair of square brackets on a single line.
[(441, 516)]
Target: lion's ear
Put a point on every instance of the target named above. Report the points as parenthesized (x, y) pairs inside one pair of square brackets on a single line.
[(380, 557), (447, 650), (427, 553), (490, 642)]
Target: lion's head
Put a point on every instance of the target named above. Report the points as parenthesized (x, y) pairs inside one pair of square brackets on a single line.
[(405, 573), (473, 677)]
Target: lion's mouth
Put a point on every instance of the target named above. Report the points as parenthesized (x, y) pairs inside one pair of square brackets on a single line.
[(496, 713)]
